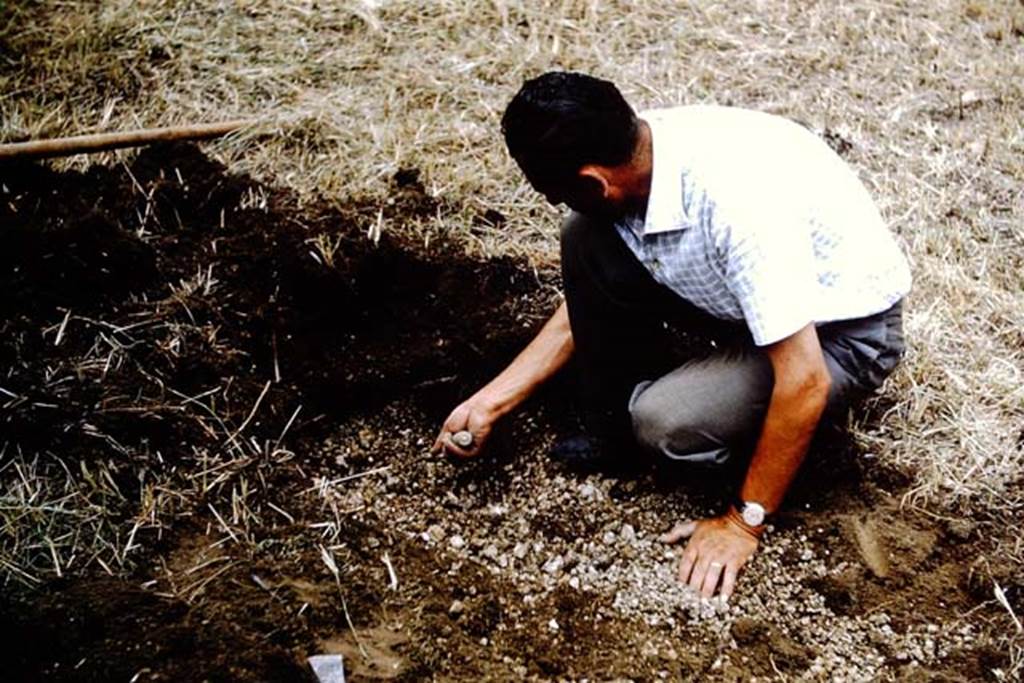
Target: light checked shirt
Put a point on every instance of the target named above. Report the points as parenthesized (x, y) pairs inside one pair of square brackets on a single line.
[(752, 217)]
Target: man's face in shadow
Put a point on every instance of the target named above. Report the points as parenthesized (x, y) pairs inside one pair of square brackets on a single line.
[(581, 193)]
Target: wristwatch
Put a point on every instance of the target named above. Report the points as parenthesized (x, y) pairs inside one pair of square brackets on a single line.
[(753, 514)]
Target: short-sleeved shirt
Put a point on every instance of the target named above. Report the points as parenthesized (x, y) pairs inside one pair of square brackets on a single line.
[(752, 217)]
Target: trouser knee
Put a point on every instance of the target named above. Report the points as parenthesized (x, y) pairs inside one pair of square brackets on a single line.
[(674, 432), (704, 411)]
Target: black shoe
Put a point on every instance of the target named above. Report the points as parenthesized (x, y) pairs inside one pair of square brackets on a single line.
[(585, 454), (579, 452)]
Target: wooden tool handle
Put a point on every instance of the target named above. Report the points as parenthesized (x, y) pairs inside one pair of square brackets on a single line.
[(81, 144)]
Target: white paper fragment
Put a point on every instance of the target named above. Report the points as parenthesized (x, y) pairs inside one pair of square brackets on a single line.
[(328, 668)]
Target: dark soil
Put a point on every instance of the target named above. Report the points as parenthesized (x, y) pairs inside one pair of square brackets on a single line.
[(144, 311), (380, 319), (109, 249)]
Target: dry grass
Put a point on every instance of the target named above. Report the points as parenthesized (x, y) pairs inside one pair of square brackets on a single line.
[(929, 95), (64, 514)]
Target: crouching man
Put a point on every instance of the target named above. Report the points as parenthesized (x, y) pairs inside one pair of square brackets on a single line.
[(734, 215)]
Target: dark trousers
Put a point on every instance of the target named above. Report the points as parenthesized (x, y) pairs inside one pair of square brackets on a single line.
[(704, 403)]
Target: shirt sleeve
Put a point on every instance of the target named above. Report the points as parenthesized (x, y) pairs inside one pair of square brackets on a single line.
[(769, 264)]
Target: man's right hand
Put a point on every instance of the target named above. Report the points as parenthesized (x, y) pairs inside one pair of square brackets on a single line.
[(473, 416), (549, 351)]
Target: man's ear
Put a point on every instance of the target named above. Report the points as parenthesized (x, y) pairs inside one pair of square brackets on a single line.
[(595, 180)]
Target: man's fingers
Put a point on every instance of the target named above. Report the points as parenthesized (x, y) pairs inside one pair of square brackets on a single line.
[(679, 532), (444, 443), (711, 579), (686, 563), (729, 581), (700, 571), (453, 448)]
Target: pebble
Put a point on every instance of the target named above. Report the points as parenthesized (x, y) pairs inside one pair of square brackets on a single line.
[(554, 565), (961, 529), (457, 542), (520, 550)]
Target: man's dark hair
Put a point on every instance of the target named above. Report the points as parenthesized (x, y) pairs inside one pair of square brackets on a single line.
[(560, 121)]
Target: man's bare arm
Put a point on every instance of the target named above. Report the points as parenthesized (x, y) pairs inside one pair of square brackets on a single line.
[(545, 355), (798, 400)]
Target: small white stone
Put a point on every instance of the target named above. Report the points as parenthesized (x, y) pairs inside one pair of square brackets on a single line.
[(457, 542), (552, 625), (554, 565)]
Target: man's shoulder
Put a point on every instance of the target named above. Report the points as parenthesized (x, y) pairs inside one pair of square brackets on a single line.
[(681, 111), (733, 144), (711, 117)]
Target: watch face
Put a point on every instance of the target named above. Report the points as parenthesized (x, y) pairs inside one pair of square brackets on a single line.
[(753, 514)]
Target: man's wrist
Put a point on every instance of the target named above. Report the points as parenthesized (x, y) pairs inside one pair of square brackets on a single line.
[(733, 516), (492, 406)]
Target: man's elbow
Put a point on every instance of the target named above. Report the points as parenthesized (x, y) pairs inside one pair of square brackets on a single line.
[(815, 384), (810, 385), (801, 373)]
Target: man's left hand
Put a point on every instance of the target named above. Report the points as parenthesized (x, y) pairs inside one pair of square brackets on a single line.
[(717, 550)]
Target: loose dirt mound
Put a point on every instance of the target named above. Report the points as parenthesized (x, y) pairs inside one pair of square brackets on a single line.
[(209, 277), (217, 406)]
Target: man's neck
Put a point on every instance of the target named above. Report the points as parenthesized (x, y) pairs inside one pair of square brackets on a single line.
[(636, 180), (627, 185)]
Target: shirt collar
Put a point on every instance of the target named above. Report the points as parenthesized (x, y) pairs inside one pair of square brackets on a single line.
[(665, 211)]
